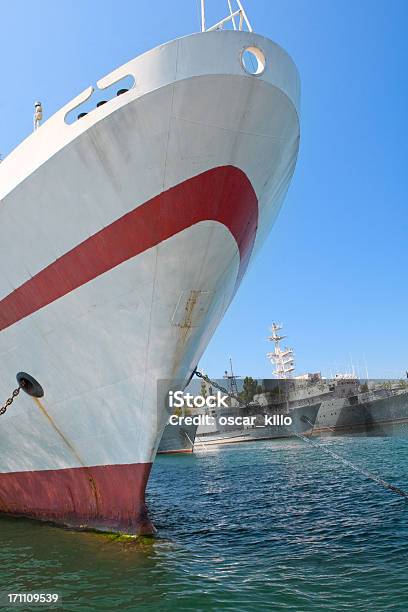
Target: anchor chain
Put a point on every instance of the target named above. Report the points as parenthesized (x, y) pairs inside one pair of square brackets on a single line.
[(219, 387), (10, 400)]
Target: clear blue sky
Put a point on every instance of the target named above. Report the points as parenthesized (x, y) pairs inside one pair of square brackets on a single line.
[(342, 287)]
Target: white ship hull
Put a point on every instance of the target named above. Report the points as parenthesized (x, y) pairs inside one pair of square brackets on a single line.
[(123, 240)]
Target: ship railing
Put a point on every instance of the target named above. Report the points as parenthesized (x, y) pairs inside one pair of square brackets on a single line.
[(239, 13), (220, 24)]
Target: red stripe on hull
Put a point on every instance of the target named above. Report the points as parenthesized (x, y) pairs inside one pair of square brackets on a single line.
[(112, 498), (223, 194), (175, 452), (107, 498)]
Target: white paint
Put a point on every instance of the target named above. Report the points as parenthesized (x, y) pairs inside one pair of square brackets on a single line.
[(99, 351)]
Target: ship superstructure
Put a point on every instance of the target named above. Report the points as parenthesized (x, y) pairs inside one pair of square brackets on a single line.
[(346, 403)]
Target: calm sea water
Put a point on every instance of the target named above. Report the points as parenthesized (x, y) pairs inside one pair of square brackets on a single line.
[(263, 526)]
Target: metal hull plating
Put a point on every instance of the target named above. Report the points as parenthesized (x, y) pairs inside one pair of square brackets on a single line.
[(375, 416), (139, 223)]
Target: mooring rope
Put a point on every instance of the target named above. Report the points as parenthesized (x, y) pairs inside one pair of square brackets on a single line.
[(346, 462), (356, 468)]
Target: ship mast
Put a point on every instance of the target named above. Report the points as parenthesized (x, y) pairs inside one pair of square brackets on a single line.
[(232, 380), (283, 359), (238, 13)]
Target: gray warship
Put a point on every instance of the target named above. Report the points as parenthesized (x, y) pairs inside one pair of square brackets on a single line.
[(254, 419), (347, 403)]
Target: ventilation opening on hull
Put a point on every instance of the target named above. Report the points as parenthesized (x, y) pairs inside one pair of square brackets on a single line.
[(29, 385), (253, 61), (100, 97)]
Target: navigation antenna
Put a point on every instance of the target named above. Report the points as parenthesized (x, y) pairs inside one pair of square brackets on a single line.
[(283, 359), (232, 380), (238, 15)]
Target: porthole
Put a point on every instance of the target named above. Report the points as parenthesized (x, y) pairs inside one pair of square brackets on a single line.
[(253, 61)]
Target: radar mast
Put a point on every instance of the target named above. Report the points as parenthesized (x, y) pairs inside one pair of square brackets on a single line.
[(282, 358)]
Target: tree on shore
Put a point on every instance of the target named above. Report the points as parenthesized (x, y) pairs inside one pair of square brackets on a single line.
[(249, 388)]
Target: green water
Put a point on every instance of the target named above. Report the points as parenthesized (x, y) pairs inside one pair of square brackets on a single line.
[(266, 526)]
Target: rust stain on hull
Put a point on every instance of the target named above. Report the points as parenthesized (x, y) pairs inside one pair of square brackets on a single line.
[(185, 327), (64, 497), (187, 322), (104, 497), (3, 506), (91, 480), (59, 432)]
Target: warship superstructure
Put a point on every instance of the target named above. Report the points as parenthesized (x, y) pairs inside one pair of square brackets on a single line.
[(347, 403)]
